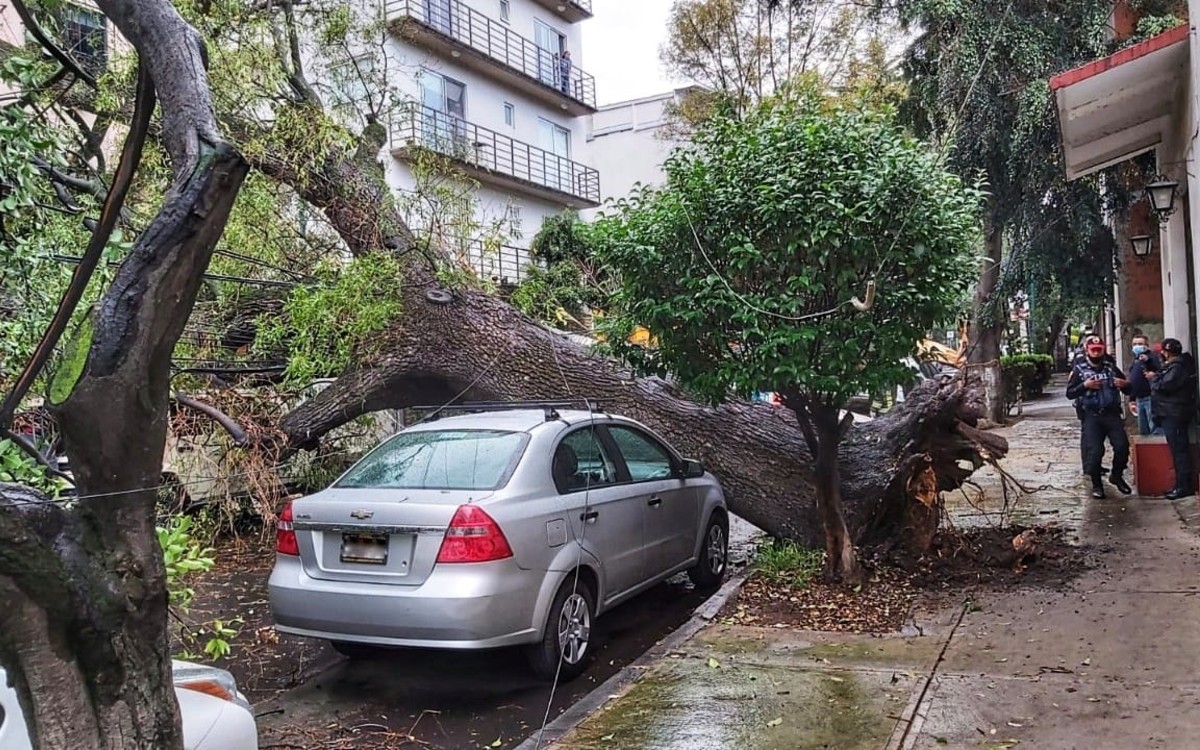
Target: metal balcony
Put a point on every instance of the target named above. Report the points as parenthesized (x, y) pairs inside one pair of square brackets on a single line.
[(572, 10), (493, 49), (493, 157)]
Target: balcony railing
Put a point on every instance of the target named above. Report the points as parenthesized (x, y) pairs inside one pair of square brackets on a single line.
[(494, 153), (460, 23)]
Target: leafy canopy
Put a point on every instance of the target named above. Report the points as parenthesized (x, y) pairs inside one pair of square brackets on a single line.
[(788, 213)]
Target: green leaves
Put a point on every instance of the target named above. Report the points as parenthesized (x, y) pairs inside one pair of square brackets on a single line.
[(327, 326), (743, 263)]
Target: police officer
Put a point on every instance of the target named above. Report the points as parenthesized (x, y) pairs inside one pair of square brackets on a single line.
[(1079, 358), (1098, 383)]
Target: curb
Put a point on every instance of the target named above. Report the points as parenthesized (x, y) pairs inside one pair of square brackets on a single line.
[(615, 686)]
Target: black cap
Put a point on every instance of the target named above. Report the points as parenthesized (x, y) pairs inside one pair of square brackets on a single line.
[(1172, 346)]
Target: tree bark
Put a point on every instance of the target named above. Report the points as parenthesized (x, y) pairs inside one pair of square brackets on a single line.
[(841, 561), (83, 634), (478, 347), (987, 324)]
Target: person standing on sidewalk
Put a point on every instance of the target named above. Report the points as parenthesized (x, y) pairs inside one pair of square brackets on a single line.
[(1098, 384), (1144, 361), (1173, 393)]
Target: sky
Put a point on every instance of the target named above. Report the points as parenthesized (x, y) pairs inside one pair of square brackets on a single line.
[(620, 48)]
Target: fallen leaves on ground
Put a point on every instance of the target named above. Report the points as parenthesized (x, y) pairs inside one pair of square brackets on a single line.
[(879, 606)]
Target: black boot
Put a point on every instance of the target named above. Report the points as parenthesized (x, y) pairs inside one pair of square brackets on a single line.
[(1097, 491), (1178, 492), (1119, 482)]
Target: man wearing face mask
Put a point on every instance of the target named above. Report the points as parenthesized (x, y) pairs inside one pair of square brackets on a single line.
[(1144, 361), (1098, 383)]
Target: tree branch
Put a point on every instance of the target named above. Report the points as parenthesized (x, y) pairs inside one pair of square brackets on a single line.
[(220, 417), (131, 155)]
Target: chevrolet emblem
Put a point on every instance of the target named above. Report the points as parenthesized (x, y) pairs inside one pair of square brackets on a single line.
[(361, 515)]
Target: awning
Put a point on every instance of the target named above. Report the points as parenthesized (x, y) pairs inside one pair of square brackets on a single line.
[(1122, 105)]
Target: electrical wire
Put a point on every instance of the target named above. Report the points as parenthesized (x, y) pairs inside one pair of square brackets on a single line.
[(587, 491)]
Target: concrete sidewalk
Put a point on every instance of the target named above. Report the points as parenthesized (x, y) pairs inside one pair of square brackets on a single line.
[(1109, 661)]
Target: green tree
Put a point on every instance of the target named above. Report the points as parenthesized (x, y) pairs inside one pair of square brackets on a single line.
[(739, 52), (978, 75), (748, 263)]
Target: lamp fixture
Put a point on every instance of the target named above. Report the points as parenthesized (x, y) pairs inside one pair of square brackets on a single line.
[(1162, 196), (1142, 244)]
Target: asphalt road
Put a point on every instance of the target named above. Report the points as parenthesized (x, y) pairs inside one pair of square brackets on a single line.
[(461, 701)]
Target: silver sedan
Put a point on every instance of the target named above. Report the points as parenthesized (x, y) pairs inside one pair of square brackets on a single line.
[(512, 527)]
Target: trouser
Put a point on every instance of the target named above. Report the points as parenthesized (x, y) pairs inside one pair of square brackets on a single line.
[(1146, 419), (1096, 429), (1176, 431)]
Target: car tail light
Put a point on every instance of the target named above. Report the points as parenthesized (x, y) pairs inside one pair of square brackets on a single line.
[(208, 680), (285, 532), (473, 537)]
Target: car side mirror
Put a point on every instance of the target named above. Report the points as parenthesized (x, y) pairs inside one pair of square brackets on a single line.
[(692, 469)]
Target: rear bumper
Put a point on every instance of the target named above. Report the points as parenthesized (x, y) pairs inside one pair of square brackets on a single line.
[(469, 606)]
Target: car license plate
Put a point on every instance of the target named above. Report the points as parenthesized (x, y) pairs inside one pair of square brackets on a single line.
[(371, 549)]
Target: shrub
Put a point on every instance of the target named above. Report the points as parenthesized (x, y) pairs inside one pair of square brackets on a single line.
[(1025, 376)]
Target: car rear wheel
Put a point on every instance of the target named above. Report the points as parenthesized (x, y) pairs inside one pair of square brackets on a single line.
[(709, 570), (567, 635)]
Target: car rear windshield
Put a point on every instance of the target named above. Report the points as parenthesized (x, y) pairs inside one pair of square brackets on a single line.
[(439, 459)]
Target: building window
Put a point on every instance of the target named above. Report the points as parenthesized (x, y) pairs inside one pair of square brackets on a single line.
[(504, 10), (85, 37), (510, 115), (512, 217), (350, 79)]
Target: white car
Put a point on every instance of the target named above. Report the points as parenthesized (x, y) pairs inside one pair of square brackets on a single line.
[(215, 715)]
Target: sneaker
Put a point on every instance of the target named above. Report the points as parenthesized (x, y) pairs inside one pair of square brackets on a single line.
[(1098, 492), (1120, 483)]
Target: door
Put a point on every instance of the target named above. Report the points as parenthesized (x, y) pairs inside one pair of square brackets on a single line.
[(606, 520), (550, 44), (555, 142), (443, 123), (672, 507)]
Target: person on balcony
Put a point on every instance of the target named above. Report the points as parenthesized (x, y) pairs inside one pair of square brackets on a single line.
[(1173, 397), (564, 71)]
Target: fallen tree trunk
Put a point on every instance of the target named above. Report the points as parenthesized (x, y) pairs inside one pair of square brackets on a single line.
[(478, 347)]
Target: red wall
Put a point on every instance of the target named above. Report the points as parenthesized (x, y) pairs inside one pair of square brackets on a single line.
[(1140, 283)]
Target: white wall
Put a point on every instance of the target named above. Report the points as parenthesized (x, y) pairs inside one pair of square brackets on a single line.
[(627, 144)]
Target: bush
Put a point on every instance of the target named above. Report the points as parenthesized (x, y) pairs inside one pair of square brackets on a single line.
[(1025, 376)]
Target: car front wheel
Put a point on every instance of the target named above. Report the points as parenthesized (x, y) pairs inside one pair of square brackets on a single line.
[(567, 635), (709, 570)]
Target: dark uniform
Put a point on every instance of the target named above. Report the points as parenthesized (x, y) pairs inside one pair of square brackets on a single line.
[(1173, 404), (1079, 358), (1100, 410)]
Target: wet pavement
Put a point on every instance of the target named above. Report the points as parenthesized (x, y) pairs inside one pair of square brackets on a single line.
[(461, 701), (1106, 661)]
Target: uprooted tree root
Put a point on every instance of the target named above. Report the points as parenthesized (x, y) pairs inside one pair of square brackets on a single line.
[(995, 556)]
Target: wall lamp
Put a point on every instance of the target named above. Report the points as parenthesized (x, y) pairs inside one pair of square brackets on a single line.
[(1162, 196)]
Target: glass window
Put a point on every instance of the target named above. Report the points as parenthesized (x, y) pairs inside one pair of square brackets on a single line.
[(85, 38), (645, 457), (350, 79), (438, 459), (580, 462), (504, 10), (510, 115)]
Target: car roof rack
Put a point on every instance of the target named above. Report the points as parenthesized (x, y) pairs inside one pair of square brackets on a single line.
[(550, 408)]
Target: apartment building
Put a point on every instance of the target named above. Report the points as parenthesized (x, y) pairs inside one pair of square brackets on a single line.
[(632, 139), (485, 85)]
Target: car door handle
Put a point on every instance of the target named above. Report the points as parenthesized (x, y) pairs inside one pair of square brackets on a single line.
[(589, 516), (654, 502)]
